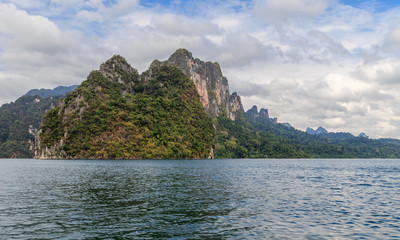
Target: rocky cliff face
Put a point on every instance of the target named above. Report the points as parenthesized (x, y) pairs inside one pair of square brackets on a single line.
[(119, 71), (18, 124), (263, 116), (211, 85), (117, 114), (165, 112)]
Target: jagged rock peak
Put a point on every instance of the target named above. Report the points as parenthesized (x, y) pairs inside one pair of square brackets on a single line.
[(180, 58), (320, 130), (117, 69), (235, 106), (211, 85), (184, 60), (114, 114), (253, 111), (181, 53), (263, 114), (116, 63)]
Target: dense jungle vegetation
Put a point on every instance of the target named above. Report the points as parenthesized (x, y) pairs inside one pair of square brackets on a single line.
[(163, 119), (18, 123)]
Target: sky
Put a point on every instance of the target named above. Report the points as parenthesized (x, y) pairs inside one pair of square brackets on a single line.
[(329, 63)]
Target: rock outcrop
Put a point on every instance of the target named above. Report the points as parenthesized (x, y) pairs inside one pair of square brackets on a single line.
[(211, 85), (117, 114), (118, 70), (262, 116), (320, 130)]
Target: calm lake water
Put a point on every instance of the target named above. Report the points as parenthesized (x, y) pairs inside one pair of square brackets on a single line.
[(205, 199)]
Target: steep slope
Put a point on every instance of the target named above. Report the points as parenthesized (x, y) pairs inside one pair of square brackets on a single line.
[(234, 136), (18, 124), (116, 113), (211, 85), (179, 108)]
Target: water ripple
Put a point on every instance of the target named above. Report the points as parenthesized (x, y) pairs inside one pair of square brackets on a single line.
[(206, 199)]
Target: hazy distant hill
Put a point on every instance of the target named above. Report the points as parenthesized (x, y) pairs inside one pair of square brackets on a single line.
[(322, 132), (20, 120), (179, 108), (58, 91), (329, 145), (18, 124)]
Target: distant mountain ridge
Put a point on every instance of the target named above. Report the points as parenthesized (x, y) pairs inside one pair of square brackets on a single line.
[(58, 91), (260, 116), (320, 131), (20, 120), (178, 108)]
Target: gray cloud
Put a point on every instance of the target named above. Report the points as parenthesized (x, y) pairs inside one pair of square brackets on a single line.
[(328, 43), (178, 25), (392, 41), (281, 10), (36, 53), (311, 62), (249, 89), (385, 73), (241, 48)]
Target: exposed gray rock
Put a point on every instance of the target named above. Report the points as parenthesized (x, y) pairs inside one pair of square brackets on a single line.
[(211, 85)]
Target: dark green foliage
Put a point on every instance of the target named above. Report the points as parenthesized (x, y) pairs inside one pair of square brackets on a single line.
[(337, 136), (15, 149), (117, 114), (53, 122), (163, 120), (330, 145), (15, 121), (45, 93), (237, 139)]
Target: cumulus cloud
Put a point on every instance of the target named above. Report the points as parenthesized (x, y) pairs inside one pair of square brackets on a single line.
[(178, 25), (327, 43), (384, 72), (392, 41), (36, 53), (310, 62), (34, 33), (280, 10), (100, 11)]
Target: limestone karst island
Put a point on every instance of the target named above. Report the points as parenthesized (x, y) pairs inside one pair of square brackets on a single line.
[(180, 108)]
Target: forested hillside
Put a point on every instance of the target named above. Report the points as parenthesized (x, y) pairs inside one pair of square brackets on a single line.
[(339, 145), (179, 108), (116, 113), (19, 122)]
